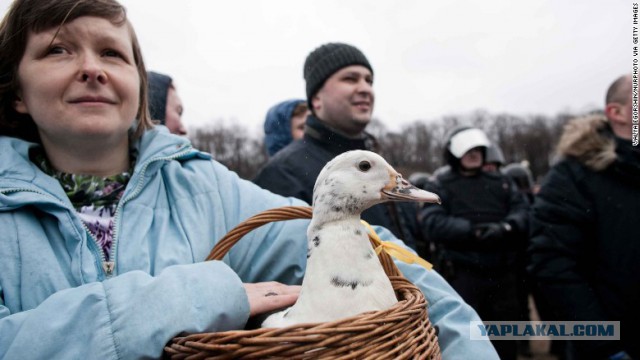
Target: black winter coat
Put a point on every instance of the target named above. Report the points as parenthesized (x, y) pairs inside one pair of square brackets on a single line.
[(585, 246), (468, 201), (294, 169)]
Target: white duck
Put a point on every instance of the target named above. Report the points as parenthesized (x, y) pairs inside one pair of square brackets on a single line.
[(344, 276)]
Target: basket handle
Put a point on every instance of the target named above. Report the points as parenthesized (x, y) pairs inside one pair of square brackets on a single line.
[(280, 214)]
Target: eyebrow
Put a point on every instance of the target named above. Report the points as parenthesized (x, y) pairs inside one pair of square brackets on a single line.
[(64, 33)]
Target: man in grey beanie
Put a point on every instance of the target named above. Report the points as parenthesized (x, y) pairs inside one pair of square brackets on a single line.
[(339, 84), (339, 88)]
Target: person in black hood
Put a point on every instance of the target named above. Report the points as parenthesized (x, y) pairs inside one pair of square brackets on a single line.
[(478, 231), (165, 106), (339, 88), (585, 248), (494, 158), (523, 178)]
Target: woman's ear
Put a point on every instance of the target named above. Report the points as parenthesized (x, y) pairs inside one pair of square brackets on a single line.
[(19, 105)]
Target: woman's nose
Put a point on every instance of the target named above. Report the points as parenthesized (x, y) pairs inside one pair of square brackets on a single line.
[(91, 69)]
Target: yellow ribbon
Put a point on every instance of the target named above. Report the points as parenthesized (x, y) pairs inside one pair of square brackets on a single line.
[(396, 250)]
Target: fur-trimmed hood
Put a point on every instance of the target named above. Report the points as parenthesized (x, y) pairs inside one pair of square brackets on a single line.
[(587, 139)]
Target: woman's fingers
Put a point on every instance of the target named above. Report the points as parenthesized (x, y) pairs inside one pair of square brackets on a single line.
[(269, 296)]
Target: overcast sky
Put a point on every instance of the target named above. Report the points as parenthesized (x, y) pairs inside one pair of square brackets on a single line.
[(232, 60)]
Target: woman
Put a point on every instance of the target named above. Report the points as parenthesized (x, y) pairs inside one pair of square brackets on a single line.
[(105, 219)]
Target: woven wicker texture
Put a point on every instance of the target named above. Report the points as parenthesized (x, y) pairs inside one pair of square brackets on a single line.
[(400, 332)]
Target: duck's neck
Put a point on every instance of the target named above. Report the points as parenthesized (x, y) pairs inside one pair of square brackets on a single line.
[(328, 207), (341, 234), (340, 255), (329, 214)]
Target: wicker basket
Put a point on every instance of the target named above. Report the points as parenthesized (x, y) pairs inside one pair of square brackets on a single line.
[(400, 332)]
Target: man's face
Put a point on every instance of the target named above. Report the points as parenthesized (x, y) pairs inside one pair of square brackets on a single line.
[(297, 125), (626, 108), (345, 101), (620, 113), (173, 113), (472, 159)]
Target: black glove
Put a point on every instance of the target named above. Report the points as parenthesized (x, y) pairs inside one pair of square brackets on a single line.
[(492, 231)]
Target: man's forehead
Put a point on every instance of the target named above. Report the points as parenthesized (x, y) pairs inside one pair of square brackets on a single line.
[(354, 69)]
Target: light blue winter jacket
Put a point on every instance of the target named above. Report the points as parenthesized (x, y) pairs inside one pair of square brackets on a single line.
[(58, 303)]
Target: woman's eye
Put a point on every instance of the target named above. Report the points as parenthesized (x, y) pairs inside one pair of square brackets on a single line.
[(112, 53), (364, 166), (55, 50)]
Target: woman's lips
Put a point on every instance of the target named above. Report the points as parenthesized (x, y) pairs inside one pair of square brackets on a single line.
[(91, 100)]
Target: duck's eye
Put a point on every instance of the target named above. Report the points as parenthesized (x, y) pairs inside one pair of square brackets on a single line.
[(364, 166)]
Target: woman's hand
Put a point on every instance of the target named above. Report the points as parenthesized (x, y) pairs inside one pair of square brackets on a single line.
[(269, 296)]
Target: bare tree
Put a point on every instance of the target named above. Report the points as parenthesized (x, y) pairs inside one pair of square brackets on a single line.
[(417, 147), (231, 146)]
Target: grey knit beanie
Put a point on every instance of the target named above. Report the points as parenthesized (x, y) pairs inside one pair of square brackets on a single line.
[(325, 60)]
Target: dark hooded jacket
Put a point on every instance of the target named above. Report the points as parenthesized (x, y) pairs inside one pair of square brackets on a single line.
[(585, 246), (294, 169), (277, 125)]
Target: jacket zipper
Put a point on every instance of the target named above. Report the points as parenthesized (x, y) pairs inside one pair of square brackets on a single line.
[(108, 267)]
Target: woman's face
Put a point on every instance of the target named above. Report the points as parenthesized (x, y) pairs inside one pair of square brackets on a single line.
[(83, 85)]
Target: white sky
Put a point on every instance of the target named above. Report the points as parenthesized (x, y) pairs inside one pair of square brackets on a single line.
[(232, 60)]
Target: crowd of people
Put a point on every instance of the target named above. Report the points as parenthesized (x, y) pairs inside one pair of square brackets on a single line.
[(107, 212)]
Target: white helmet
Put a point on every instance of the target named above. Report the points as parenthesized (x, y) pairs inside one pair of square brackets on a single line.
[(465, 140)]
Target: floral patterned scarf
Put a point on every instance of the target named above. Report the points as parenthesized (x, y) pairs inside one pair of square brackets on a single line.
[(95, 198)]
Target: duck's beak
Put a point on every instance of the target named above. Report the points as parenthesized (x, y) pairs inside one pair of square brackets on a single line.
[(399, 189)]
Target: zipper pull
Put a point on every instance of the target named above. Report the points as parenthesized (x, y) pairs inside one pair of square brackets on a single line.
[(108, 267)]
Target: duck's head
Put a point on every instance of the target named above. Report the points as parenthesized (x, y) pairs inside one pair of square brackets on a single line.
[(358, 179)]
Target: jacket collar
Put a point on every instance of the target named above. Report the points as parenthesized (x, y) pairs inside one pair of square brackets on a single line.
[(17, 171), (591, 142), (317, 131), (628, 159)]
